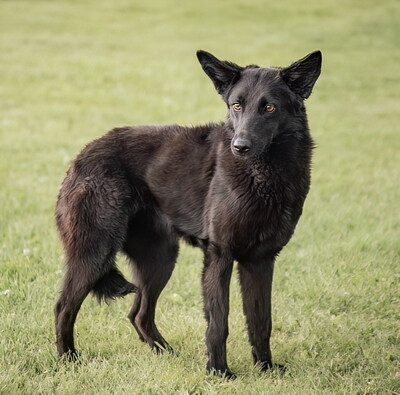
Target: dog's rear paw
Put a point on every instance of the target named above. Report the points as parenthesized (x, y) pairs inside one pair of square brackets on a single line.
[(159, 348)]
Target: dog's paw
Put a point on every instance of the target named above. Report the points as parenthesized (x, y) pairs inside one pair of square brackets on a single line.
[(159, 348), (71, 356), (266, 365), (224, 374)]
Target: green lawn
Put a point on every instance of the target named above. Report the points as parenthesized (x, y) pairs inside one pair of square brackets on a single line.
[(71, 70)]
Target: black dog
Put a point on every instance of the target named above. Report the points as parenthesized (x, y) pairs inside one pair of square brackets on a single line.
[(234, 189)]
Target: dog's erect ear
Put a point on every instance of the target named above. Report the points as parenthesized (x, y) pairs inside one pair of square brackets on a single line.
[(301, 75), (222, 73)]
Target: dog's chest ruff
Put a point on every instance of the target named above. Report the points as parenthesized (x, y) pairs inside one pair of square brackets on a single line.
[(252, 209)]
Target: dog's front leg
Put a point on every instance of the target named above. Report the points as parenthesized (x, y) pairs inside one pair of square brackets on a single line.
[(256, 284), (216, 278)]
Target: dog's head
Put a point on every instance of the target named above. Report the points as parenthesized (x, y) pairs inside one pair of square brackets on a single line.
[(262, 102)]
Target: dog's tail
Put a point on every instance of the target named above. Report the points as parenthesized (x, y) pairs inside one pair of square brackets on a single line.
[(112, 285)]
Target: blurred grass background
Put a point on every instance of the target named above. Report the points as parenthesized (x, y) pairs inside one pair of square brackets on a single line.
[(71, 70)]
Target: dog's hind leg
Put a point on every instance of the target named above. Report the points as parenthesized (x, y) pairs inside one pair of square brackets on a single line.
[(151, 277), (104, 280), (152, 247), (92, 218), (77, 285)]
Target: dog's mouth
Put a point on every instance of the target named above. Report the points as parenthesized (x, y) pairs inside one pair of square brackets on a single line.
[(240, 154), (250, 154)]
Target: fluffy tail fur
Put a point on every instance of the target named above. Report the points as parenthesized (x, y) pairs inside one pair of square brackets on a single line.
[(112, 285)]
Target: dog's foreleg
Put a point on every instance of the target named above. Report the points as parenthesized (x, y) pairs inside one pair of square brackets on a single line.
[(256, 284), (216, 278)]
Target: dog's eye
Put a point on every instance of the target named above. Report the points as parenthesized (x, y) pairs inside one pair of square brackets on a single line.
[(270, 108), (236, 107)]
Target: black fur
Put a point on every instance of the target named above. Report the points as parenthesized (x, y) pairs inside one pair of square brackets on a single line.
[(234, 189)]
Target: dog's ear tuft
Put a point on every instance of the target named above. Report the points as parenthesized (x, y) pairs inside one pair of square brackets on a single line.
[(302, 75), (222, 73)]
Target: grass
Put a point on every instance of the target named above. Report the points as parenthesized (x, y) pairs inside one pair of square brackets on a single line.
[(70, 70)]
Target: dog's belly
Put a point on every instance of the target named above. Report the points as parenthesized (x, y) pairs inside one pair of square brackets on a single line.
[(181, 202), (187, 220)]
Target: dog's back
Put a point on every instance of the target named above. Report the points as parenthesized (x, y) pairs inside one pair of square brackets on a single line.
[(165, 169)]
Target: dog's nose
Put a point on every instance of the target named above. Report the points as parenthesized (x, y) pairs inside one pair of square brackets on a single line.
[(241, 145)]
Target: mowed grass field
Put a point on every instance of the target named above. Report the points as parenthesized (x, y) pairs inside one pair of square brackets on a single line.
[(70, 71)]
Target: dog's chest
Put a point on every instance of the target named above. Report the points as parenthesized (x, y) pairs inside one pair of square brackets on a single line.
[(258, 208)]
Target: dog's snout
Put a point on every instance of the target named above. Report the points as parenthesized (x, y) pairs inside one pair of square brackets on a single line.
[(242, 145)]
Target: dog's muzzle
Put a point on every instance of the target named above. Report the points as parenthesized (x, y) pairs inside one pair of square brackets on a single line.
[(241, 146)]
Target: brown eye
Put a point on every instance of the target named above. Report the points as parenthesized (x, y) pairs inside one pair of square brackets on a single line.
[(269, 108), (236, 107)]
